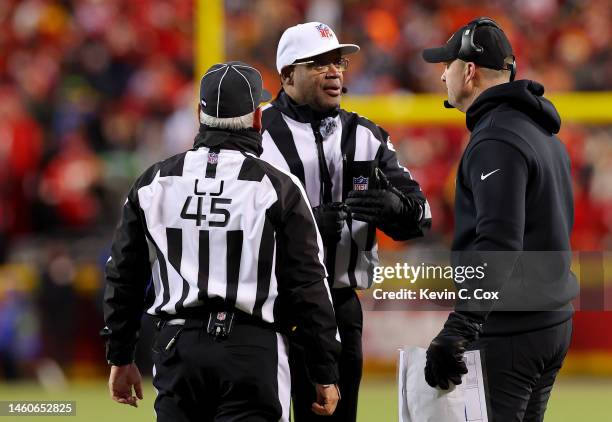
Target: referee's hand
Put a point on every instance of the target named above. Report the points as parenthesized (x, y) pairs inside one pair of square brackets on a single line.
[(327, 399), (330, 221), (120, 383)]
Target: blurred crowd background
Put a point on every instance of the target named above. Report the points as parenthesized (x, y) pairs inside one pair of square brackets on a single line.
[(563, 43), (93, 92)]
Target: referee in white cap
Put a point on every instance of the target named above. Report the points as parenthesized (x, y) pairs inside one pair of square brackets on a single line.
[(351, 174), (223, 249)]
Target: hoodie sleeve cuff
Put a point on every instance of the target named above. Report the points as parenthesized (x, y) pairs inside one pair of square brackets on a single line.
[(324, 374), (120, 354)]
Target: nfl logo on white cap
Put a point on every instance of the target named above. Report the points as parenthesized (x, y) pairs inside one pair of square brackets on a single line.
[(325, 31), (308, 40)]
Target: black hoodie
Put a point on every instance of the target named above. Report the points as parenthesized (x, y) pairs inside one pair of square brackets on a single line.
[(514, 194)]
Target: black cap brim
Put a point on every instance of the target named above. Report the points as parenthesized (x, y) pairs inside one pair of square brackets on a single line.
[(439, 54), (447, 53)]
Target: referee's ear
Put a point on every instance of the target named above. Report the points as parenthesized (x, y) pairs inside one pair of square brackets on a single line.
[(286, 75), (256, 119)]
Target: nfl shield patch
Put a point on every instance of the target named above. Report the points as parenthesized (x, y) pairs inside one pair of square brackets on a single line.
[(324, 31), (213, 158), (360, 183)]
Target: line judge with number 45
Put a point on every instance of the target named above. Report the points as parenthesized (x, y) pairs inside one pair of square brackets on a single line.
[(231, 246)]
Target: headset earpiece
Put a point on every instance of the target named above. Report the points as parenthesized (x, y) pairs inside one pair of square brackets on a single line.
[(512, 68), (469, 50)]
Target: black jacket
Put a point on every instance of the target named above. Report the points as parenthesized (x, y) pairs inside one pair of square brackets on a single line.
[(514, 196)]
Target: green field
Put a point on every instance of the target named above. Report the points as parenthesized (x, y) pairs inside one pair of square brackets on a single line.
[(573, 400)]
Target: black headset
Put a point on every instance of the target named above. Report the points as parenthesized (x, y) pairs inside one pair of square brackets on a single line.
[(469, 51)]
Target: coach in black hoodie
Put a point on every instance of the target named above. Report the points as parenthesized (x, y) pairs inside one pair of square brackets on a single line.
[(514, 210)]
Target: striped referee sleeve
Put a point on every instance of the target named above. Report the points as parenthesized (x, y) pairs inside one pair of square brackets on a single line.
[(301, 275), (127, 276)]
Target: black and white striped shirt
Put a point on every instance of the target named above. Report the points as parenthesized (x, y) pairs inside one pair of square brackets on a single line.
[(351, 141), (218, 223)]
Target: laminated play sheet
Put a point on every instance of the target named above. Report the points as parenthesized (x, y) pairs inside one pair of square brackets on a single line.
[(418, 402)]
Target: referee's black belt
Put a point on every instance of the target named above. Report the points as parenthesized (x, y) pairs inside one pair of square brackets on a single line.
[(201, 318)]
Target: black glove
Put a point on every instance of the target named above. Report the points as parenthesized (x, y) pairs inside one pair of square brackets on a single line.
[(445, 353), (382, 207), (330, 220)]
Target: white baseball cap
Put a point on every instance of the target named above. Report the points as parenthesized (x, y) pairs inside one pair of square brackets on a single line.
[(307, 40)]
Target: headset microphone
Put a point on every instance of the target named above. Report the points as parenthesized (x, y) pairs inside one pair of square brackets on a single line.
[(344, 90), (448, 105)]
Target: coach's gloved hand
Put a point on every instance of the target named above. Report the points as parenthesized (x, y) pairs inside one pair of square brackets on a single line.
[(445, 353), (330, 220), (382, 207)]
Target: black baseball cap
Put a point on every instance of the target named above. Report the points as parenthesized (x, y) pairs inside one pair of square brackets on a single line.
[(231, 89), (494, 43)]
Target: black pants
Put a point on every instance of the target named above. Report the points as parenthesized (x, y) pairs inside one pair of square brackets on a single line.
[(244, 378), (521, 371), (349, 318)]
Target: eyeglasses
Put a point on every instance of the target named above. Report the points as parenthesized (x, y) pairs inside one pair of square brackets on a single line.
[(341, 65)]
